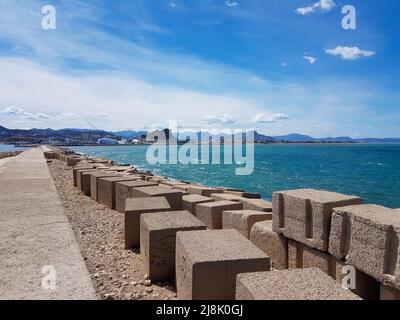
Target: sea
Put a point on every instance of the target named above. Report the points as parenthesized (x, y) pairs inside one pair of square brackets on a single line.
[(10, 147), (371, 171)]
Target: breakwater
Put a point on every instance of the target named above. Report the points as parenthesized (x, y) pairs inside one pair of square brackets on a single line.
[(304, 238)]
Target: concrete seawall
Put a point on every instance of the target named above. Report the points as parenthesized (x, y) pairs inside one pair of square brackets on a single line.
[(39, 255)]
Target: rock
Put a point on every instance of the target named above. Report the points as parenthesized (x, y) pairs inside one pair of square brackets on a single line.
[(147, 283)]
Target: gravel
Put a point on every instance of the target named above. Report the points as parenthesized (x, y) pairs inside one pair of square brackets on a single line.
[(117, 274)]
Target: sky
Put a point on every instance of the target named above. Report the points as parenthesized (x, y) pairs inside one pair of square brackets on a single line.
[(277, 66)]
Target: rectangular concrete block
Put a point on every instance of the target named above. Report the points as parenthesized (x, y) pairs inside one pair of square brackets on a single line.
[(123, 191), (106, 189), (189, 202), (119, 168), (94, 178), (72, 161), (211, 212), (207, 263), (227, 197), (203, 191), (305, 215), (135, 207), (257, 205), (243, 220), (247, 195), (74, 172), (174, 197), (301, 256), (388, 293), (86, 183), (273, 244), (158, 240), (374, 242), (295, 284), (79, 174)]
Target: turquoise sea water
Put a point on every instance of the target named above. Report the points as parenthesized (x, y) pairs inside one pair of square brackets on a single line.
[(9, 147), (371, 171)]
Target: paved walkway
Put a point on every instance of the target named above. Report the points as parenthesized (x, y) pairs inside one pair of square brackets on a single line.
[(36, 238)]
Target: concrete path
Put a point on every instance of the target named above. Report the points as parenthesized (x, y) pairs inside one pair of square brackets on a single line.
[(39, 255)]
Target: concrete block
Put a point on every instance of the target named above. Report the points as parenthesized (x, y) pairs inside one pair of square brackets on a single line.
[(295, 284), (189, 202), (135, 207), (374, 242), (227, 197), (359, 282), (273, 244), (257, 205), (72, 161), (86, 183), (74, 172), (203, 191), (247, 195), (79, 177), (211, 212), (106, 190), (158, 240), (207, 263), (243, 220), (94, 178), (123, 191), (119, 168), (174, 197), (388, 293), (305, 215), (301, 256)]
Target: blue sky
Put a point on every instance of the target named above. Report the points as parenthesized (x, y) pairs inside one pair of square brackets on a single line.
[(207, 64)]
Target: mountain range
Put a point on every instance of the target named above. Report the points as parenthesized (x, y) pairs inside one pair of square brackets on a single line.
[(129, 134)]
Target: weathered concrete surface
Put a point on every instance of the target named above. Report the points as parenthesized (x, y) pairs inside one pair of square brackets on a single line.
[(374, 245), (297, 284), (123, 191), (257, 205), (273, 244), (305, 215), (243, 220), (174, 197), (204, 191), (207, 263), (135, 207), (387, 293), (35, 233), (211, 212), (158, 240), (106, 189), (94, 179), (189, 202)]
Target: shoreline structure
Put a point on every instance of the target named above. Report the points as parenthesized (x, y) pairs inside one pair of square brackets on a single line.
[(226, 243)]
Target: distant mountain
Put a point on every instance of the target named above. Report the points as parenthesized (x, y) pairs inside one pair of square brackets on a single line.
[(379, 140), (294, 137)]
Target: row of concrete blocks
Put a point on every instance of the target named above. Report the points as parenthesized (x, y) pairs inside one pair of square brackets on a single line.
[(9, 154), (330, 231), (211, 210)]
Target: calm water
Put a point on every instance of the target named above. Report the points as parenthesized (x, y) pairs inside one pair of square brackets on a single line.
[(368, 170), (9, 147)]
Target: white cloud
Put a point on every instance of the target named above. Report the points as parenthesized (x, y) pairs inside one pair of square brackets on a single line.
[(23, 114), (322, 5), (269, 118), (284, 64), (222, 119), (310, 59), (172, 4), (350, 53), (231, 3)]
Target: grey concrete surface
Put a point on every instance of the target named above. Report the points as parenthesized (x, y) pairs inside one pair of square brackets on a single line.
[(39, 255)]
